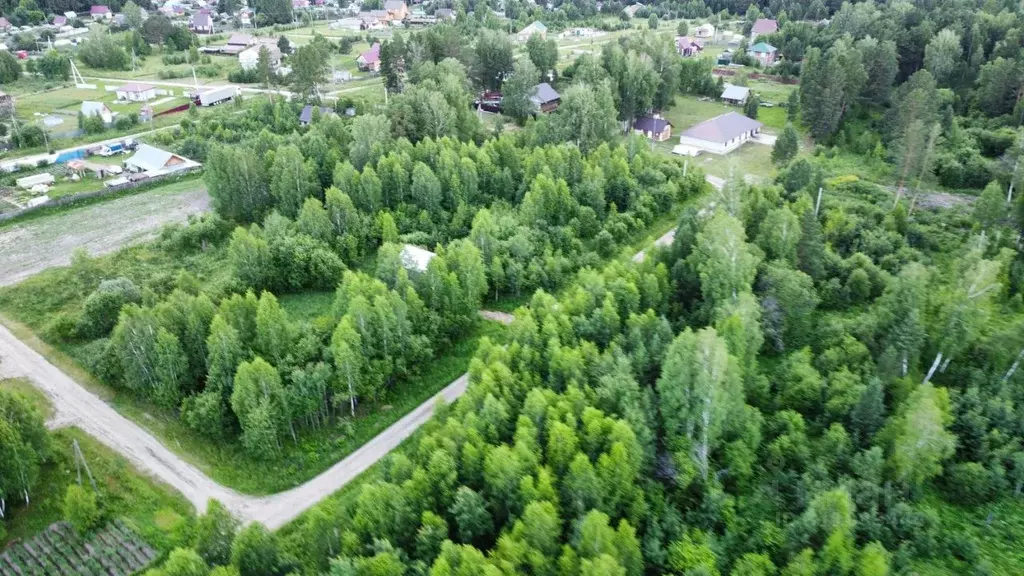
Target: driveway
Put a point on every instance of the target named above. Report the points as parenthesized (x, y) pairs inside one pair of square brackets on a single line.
[(766, 139)]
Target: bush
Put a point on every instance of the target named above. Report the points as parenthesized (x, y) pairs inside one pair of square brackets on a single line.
[(80, 508), (63, 327), (101, 308), (968, 483)]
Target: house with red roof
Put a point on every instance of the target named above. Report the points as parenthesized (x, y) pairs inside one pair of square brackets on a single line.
[(687, 46), (369, 61), (101, 13), (4, 24), (763, 26)]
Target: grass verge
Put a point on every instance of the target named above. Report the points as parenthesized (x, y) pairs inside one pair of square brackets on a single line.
[(156, 511), (34, 396)]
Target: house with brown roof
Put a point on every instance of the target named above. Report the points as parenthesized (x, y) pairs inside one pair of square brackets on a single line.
[(396, 9), (763, 26), (721, 134), (687, 46)]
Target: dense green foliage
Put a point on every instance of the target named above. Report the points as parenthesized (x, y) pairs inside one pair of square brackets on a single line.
[(777, 391)]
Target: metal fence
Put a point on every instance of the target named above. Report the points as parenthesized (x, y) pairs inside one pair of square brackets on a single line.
[(102, 193)]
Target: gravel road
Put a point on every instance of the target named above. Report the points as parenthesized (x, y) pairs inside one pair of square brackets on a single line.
[(74, 405)]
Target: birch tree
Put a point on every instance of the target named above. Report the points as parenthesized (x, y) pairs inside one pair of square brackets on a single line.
[(698, 391), (921, 441), (261, 407), (724, 260), (292, 180)]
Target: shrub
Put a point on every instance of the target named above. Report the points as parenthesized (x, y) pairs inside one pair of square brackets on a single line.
[(80, 508), (101, 308), (968, 483)]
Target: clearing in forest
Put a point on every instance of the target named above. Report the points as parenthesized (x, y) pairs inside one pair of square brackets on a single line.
[(34, 245)]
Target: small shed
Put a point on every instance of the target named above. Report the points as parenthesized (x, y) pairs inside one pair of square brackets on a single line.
[(735, 94), (545, 98)]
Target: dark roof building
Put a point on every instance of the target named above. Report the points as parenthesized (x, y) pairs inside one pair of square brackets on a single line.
[(306, 116), (653, 127), (545, 97), (721, 134)]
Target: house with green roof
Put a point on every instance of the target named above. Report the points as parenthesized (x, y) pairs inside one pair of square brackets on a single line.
[(536, 27), (764, 53)]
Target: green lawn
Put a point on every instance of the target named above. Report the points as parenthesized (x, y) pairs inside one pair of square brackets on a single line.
[(307, 306), (36, 397), (751, 159), (688, 111), (159, 514)]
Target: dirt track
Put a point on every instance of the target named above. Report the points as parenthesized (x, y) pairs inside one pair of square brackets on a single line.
[(29, 247), (76, 406)]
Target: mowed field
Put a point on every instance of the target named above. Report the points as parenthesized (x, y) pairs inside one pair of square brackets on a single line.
[(33, 245)]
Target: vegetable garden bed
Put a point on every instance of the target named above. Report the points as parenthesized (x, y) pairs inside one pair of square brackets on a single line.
[(59, 550)]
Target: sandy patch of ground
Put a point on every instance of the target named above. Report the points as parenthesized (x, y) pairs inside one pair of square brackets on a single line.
[(32, 246)]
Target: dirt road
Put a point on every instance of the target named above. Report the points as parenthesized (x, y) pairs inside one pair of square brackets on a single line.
[(74, 405), (667, 238), (29, 247)]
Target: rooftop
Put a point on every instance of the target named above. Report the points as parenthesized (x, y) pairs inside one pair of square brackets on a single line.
[(732, 92), (650, 124), (763, 47), (765, 26), (544, 93), (724, 128), (135, 87)]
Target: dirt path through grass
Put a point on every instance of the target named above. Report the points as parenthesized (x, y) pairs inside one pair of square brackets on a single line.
[(32, 246)]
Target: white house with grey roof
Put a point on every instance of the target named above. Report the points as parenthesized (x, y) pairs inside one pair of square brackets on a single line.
[(735, 94), (155, 162), (721, 134)]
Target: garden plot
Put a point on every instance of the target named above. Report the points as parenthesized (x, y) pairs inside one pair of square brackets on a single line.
[(34, 245), (112, 551)]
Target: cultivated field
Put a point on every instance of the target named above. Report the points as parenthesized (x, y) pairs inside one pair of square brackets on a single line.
[(113, 551), (29, 247)]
